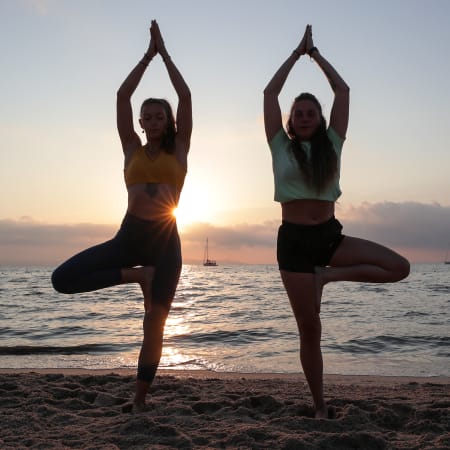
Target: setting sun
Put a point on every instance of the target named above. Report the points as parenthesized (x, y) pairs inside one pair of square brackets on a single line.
[(189, 212), (194, 206)]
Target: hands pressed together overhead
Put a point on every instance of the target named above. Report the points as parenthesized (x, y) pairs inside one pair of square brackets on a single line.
[(306, 45), (156, 42)]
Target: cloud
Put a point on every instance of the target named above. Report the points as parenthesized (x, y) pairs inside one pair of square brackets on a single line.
[(234, 237), (419, 231), (26, 241), (408, 225)]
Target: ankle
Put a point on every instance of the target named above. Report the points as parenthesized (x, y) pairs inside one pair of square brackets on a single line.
[(321, 411), (139, 407)]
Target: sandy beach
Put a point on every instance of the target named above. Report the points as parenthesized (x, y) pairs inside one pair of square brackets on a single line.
[(61, 409)]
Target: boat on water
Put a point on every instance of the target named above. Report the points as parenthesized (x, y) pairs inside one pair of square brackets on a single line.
[(206, 260), (447, 258)]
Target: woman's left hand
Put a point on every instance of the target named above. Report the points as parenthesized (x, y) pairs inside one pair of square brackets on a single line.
[(301, 48), (156, 35), (309, 39)]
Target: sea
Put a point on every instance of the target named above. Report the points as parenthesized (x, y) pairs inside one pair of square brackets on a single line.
[(230, 318)]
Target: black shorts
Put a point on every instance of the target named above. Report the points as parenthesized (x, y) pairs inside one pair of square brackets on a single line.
[(300, 248)]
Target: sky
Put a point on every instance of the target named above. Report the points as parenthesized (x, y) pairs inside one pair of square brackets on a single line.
[(61, 164)]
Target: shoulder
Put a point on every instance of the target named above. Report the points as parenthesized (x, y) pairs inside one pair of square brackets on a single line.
[(181, 155), (131, 150), (130, 145), (182, 143), (280, 140), (335, 139)]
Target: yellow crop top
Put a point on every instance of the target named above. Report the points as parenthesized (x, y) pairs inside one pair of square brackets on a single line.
[(165, 168)]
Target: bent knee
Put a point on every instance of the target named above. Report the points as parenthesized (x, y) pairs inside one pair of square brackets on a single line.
[(60, 283), (401, 269)]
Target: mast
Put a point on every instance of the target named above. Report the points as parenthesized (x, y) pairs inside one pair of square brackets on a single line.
[(206, 254), (206, 260)]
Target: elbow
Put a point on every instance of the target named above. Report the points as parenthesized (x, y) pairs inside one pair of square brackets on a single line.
[(60, 282), (119, 94), (186, 95), (344, 88), (347, 92), (342, 91), (122, 94), (270, 94), (271, 91), (185, 98)]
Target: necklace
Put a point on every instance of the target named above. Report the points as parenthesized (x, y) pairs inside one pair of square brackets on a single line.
[(151, 152)]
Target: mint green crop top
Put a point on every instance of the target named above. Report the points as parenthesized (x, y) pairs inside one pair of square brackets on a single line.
[(289, 182)]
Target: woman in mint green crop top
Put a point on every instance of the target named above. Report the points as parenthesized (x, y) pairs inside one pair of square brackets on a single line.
[(311, 249), (146, 250)]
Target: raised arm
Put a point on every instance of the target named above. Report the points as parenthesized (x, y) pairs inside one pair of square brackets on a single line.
[(273, 121), (128, 136), (340, 109), (184, 109)]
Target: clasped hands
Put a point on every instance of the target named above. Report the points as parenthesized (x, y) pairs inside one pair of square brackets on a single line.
[(306, 44), (156, 42)]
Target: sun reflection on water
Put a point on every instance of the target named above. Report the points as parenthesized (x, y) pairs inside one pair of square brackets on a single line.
[(176, 326)]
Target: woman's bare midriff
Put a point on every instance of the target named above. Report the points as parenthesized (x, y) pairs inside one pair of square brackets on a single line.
[(152, 201), (307, 211)]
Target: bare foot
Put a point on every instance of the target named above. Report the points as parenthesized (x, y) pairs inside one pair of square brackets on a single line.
[(139, 408), (134, 408), (319, 285), (325, 412)]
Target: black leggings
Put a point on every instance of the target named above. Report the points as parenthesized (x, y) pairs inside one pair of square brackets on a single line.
[(138, 242)]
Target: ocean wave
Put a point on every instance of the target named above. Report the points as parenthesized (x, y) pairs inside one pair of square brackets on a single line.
[(59, 350), (439, 288), (416, 314), (384, 343), (236, 338)]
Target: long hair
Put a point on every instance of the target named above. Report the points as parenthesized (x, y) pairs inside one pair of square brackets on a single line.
[(168, 138), (320, 170)]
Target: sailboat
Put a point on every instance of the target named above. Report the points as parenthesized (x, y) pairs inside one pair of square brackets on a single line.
[(206, 260), (447, 259)]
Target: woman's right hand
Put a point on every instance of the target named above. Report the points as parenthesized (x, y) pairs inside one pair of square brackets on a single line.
[(309, 39), (159, 41), (301, 48), (151, 51)]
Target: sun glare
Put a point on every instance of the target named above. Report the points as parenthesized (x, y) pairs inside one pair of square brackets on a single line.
[(194, 206), (187, 213)]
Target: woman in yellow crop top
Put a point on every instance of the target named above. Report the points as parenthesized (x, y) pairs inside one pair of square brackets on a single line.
[(146, 250), (311, 250)]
